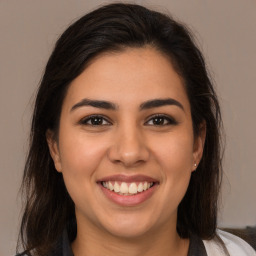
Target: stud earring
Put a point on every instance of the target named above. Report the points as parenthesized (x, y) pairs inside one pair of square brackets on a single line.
[(195, 165)]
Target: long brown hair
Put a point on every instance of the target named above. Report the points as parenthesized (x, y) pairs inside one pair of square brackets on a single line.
[(48, 208)]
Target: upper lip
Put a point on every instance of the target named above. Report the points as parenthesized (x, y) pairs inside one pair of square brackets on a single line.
[(125, 178)]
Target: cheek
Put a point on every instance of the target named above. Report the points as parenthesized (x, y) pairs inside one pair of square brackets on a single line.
[(175, 153), (81, 155), (80, 158), (175, 156)]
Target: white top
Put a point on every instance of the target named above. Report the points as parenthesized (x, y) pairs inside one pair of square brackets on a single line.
[(235, 246)]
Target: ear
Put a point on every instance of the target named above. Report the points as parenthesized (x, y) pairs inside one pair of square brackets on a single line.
[(199, 145), (54, 149)]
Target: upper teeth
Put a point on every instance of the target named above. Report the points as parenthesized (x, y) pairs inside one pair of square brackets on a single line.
[(127, 188)]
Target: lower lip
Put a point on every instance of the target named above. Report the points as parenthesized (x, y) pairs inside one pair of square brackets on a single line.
[(132, 200)]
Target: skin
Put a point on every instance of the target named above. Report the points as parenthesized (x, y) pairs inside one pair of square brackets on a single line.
[(127, 142)]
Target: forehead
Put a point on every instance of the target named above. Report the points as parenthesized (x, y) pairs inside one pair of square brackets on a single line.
[(130, 76)]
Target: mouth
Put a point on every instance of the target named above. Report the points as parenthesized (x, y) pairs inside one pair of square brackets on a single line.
[(128, 190)]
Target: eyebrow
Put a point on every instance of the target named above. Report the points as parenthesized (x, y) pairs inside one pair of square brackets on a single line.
[(111, 106), (160, 103), (94, 103)]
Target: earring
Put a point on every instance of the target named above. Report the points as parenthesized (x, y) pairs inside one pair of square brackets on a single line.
[(195, 165)]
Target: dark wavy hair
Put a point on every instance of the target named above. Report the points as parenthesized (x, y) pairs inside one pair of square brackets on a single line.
[(48, 209)]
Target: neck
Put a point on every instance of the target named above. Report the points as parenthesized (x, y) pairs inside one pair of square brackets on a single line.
[(162, 242)]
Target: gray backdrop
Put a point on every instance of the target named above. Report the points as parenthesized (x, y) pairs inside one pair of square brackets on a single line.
[(226, 32)]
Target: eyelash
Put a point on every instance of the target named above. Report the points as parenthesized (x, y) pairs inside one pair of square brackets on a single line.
[(85, 121), (164, 120)]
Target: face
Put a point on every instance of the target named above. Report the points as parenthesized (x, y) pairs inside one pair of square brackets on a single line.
[(126, 146)]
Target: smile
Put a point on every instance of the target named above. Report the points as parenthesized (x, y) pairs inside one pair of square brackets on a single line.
[(127, 189)]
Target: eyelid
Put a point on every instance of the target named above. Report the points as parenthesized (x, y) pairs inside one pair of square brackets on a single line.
[(171, 120), (87, 118)]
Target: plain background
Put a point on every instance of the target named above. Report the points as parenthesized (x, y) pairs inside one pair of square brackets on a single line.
[(226, 33)]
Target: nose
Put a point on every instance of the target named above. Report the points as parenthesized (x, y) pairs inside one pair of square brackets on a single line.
[(129, 148)]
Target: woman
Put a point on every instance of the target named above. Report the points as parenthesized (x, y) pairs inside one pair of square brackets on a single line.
[(125, 143)]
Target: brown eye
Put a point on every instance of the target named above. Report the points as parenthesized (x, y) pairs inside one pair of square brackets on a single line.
[(95, 121), (160, 120)]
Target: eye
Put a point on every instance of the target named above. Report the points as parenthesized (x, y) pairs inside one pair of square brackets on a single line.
[(95, 120), (160, 120)]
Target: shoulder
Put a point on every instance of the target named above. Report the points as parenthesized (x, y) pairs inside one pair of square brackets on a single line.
[(235, 245)]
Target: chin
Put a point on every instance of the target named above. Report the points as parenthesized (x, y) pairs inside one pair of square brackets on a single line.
[(127, 227), (127, 233)]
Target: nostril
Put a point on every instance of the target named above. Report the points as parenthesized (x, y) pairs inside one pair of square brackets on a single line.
[(128, 152)]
